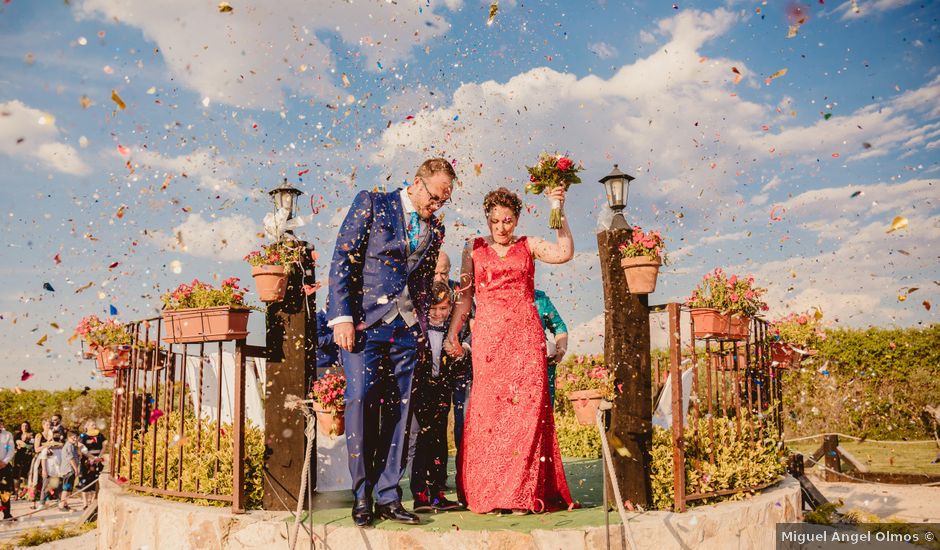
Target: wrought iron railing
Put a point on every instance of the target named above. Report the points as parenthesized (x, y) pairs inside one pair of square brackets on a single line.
[(732, 381), (160, 424)]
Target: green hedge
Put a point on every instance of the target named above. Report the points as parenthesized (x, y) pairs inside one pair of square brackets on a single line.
[(873, 383), (75, 406), (200, 459)]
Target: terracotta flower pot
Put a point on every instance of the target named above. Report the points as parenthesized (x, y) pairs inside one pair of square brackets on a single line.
[(739, 328), (113, 358), (641, 274), (211, 324), (270, 282), (710, 323), (330, 421), (782, 354), (586, 403)]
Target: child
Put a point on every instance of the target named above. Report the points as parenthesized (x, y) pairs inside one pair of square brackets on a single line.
[(70, 467), (434, 384)]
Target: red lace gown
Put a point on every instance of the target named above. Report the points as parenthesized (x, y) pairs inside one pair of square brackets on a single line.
[(510, 452)]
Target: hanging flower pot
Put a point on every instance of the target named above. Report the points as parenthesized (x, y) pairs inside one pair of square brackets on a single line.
[(270, 282), (586, 403), (641, 273), (113, 358), (739, 327), (710, 323), (643, 254), (330, 422), (211, 324)]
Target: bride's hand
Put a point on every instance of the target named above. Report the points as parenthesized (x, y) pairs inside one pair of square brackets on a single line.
[(558, 194)]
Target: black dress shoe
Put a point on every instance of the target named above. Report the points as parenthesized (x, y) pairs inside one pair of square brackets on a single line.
[(395, 512), (422, 506), (442, 504), (362, 512)]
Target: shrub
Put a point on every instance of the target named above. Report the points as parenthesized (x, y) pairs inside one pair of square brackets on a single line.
[(42, 535), (583, 372), (734, 295), (575, 440), (76, 406), (283, 253), (861, 384), (98, 333), (198, 464), (649, 245), (739, 461), (201, 295)]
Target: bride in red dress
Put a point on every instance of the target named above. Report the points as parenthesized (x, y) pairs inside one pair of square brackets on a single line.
[(511, 459)]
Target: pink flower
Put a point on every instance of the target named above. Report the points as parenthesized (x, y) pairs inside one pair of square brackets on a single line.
[(564, 163), (749, 295), (733, 297), (803, 319), (733, 280)]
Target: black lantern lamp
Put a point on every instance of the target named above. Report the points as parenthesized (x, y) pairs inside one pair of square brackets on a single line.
[(617, 185), (285, 196)]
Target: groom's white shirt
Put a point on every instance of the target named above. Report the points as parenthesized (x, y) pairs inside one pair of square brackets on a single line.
[(407, 208)]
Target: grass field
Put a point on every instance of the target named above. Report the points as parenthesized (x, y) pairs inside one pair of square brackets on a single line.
[(906, 458)]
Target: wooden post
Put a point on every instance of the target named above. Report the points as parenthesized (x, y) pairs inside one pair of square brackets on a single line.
[(678, 418), (832, 462), (627, 354), (292, 342), (238, 423)]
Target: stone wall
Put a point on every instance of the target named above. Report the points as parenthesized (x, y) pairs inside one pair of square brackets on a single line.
[(128, 521)]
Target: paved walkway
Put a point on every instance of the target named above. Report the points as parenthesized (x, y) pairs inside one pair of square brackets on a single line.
[(27, 518)]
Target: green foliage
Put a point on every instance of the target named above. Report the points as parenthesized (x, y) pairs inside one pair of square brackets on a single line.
[(285, 253), (76, 406), (41, 535), (734, 295), (100, 333), (199, 461), (824, 514), (575, 440), (582, 372), (873, 383), (798, 329), (202, 295), (739, 462)]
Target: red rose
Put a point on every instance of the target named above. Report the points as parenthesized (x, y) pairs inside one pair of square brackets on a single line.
[(564, 163), (532, 178)]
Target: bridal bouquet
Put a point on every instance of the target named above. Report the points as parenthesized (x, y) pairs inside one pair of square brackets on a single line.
[(553, 171)]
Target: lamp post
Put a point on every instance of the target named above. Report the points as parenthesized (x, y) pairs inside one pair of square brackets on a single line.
[(291, 340), (285, 196), (626, 353), (617, 185)]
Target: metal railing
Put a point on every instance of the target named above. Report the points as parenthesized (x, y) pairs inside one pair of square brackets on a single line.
[(159, 422), (733, 381)]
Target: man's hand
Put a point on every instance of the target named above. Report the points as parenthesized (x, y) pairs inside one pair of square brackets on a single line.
[(344, 334), (452, 346)]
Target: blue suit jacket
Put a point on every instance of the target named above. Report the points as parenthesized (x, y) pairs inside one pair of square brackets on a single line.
[(327, 350), (370, 262)]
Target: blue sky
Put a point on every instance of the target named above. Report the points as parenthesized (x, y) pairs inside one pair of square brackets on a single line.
[(221, 106)]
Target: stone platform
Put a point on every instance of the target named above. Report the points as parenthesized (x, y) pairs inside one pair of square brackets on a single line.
[(132, 521)]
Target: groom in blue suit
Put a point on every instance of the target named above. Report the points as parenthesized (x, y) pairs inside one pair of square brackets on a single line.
[(379, 297)]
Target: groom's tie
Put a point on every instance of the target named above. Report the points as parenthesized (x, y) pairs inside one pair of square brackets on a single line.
[(414, 228)]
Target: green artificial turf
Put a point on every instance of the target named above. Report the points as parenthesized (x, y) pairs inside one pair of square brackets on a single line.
[(584, 481)]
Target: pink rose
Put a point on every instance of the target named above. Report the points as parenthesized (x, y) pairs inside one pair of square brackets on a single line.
[(564, 163), (734, 297), (749, 295), (803, 319), (733, 279)]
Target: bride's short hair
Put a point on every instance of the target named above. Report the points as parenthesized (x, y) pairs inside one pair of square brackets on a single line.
[(502, 197)]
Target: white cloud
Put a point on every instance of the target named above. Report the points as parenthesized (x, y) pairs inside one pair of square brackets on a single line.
[(205, 168), (860, 269), (254, 55), (859, 8), (32, 134), (225, 238), (602, 50)]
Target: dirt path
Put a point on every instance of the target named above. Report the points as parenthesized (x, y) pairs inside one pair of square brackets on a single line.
[(913, 503)]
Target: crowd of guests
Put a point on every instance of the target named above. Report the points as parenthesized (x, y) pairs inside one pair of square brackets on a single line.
[(49, 465)]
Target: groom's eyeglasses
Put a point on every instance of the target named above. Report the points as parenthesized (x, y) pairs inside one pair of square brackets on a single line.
[(434, 199)]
